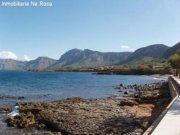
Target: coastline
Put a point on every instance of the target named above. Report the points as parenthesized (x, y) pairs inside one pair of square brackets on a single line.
[(107, 70), (113, 115)]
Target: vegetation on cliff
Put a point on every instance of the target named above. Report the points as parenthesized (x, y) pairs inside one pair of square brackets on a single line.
[(174, 60)]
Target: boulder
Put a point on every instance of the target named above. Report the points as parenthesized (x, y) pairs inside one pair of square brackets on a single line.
[(5, 109), (128, 103), (22, 121)]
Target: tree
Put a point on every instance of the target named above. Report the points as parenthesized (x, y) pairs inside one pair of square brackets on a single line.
[(174, 60)]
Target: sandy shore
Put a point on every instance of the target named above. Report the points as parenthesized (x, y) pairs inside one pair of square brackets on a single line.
[(160, 77)]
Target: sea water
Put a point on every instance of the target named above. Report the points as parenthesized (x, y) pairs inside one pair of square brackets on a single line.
[(48, 86)]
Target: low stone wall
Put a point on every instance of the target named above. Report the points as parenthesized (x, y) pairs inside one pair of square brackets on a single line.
[(174, 88)]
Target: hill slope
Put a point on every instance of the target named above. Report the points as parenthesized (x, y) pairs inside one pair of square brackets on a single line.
[(40, 63), (9, 64), (172, 50), (77, 57), (154, 51)]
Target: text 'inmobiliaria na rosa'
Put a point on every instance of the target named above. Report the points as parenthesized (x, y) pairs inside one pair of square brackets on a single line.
[(26, 3)]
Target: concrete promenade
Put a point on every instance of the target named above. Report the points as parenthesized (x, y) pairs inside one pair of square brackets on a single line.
[(170, 123)]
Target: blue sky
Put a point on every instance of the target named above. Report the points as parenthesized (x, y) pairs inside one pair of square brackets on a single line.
[(102, 25)]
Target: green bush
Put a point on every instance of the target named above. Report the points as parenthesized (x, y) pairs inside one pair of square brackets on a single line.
[(174, 60)]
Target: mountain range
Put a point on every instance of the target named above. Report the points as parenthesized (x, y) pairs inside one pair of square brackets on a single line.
[(90, 58)]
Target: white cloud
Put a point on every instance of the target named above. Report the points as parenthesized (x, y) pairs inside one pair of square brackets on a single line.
[(8, 55), (26, 58), (127, 48)]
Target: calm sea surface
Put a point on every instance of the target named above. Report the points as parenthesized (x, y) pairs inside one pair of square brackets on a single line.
[(47, 86)]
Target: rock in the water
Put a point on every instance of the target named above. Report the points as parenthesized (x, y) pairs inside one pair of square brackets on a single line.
[(121, 85), (126, 93), (4, 109)]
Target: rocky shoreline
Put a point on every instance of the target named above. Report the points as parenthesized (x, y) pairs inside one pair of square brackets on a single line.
[(114, 115)]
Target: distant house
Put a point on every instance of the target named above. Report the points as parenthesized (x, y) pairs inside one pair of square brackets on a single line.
[(158, 67)]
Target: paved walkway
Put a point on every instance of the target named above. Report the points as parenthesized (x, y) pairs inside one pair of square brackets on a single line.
[(170, 124)]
